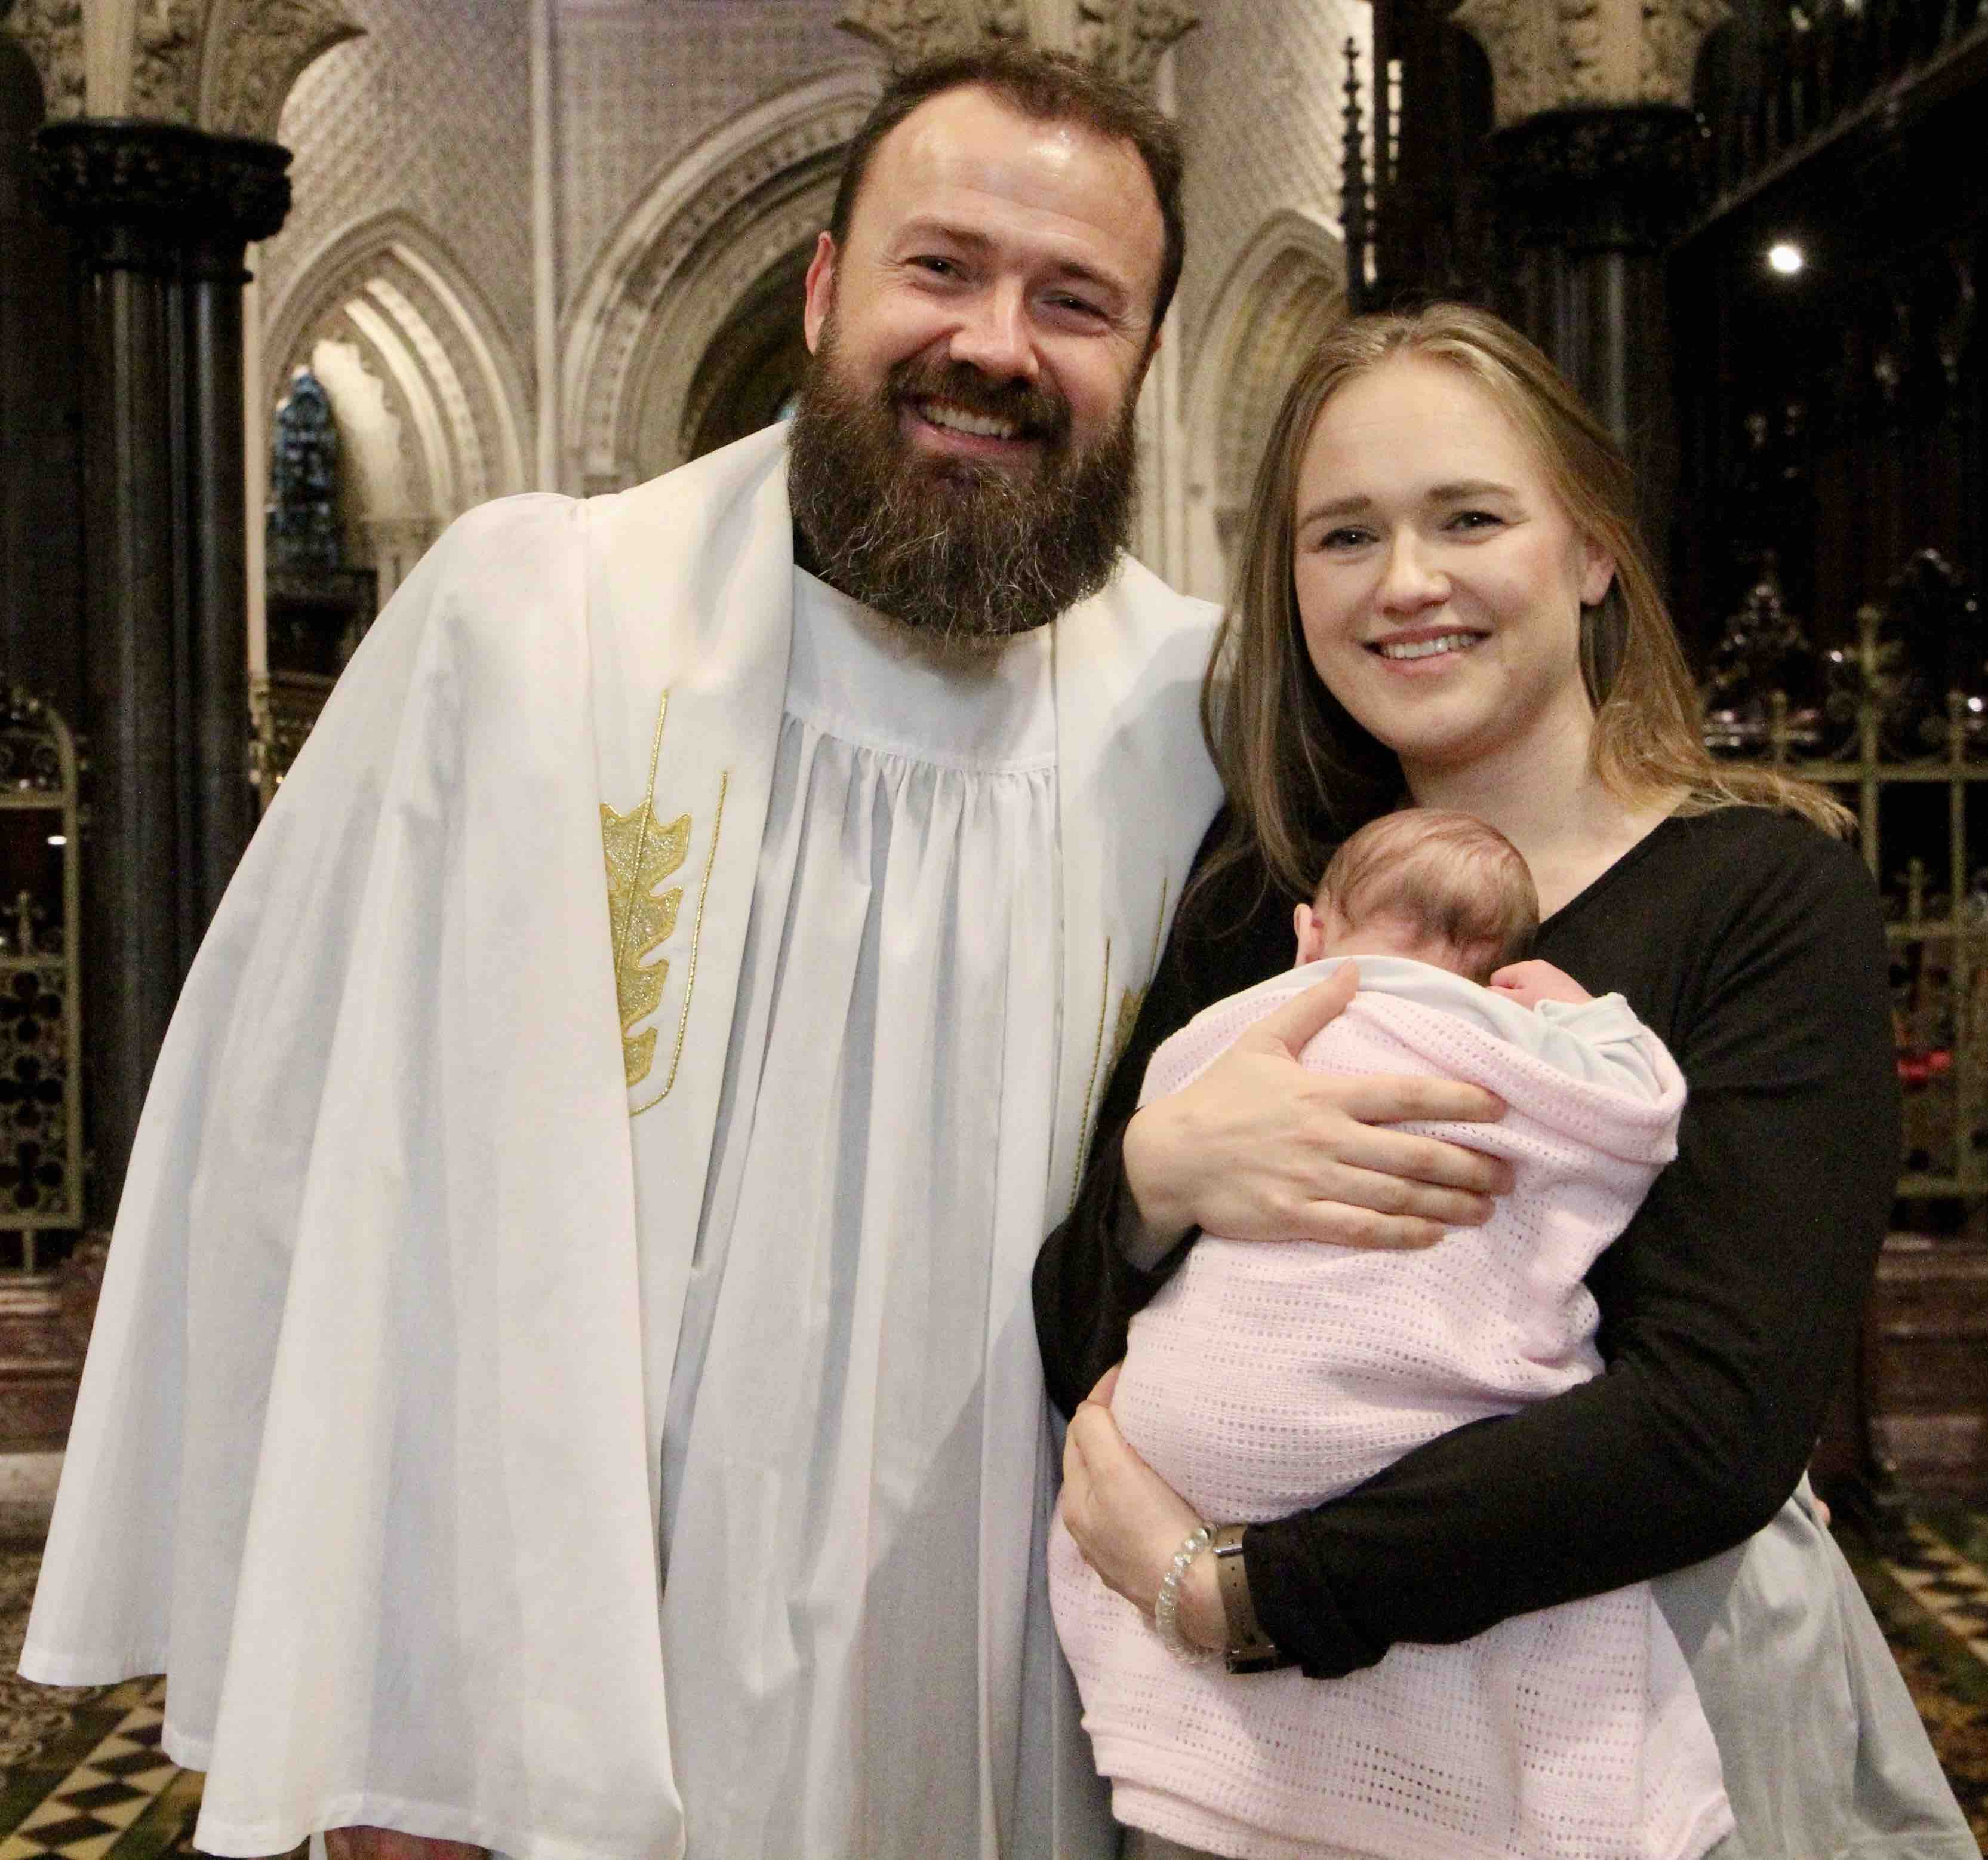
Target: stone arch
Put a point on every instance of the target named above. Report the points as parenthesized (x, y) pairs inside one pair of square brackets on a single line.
[(403, 314), (1285, 289), (715, 230)]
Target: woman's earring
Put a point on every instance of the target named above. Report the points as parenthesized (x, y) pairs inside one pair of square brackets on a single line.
[(1604, 638)]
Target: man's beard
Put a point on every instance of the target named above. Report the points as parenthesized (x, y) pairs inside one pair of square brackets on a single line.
[(973, 551)]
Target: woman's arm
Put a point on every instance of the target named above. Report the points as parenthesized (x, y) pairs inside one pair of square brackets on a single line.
[(1729, 1308), (1256, 1148)]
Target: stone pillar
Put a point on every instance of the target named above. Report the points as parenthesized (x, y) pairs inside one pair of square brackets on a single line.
[(1594, 170), (162, 213), (1588, 201)]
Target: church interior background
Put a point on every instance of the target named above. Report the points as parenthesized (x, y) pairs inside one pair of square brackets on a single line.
[(285, 286)]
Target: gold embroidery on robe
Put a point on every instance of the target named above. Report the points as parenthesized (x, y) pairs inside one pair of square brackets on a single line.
[(642, 854), (696, 939)]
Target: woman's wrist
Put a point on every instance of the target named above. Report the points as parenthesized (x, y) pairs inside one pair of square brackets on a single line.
[(1150, 1224), (1199, 1613)]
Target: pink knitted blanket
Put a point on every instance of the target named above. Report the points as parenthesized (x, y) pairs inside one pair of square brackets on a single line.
[(1268, 1377)]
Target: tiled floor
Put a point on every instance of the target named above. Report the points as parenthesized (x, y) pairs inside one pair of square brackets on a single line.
[(84, 1778)]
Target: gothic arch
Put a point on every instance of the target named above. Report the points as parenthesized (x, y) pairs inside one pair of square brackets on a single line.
[(1286, 287), (390, 288), (708, 234)]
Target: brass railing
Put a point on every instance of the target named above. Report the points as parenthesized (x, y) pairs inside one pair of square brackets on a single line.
[(41, 1021)]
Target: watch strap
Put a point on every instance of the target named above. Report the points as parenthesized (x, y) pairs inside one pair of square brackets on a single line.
[(1250, 1649)]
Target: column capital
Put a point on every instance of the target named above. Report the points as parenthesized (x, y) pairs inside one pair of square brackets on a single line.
[(148, 195), (1559, 55), (1126, 38), (51, 32)]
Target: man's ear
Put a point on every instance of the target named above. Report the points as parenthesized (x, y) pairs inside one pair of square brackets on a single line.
[(821, 291)]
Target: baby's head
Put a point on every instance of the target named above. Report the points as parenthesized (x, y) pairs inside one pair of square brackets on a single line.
[(1440, 886)]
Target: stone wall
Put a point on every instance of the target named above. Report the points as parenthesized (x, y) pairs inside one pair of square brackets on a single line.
[(1259, 89), (641, 82), (429, 114)]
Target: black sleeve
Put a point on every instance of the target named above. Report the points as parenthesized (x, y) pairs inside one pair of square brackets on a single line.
[(1086, 1291), (1728, 1308)]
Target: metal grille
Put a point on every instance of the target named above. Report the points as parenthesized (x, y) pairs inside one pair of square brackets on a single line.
[(1910, 773), (40, 1033)]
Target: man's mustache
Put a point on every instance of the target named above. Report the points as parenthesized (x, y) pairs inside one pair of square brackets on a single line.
[(1035, 412)]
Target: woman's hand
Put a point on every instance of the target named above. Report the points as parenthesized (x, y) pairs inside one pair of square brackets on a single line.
[(1258, 1148), (1128, 1521)]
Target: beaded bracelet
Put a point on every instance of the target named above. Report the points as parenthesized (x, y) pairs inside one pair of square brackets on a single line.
[(1166, 1605)]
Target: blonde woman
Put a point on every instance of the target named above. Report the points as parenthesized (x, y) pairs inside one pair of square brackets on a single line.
[(1442, 600)]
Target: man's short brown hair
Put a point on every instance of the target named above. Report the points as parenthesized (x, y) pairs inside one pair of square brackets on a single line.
[(1047, 87), (1462, 882)]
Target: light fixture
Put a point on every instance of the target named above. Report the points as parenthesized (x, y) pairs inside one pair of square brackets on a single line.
[(1785, 257), (57, 839)]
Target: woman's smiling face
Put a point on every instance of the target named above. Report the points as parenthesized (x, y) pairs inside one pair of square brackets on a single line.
[(1439, 578)]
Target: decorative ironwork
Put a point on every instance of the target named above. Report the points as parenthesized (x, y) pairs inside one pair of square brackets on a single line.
[(41, 1031), (1903, 733)]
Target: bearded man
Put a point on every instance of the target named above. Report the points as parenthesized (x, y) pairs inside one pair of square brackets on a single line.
[(565, 1381)]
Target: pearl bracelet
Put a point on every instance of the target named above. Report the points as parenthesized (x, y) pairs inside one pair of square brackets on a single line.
[(1166, 1605)]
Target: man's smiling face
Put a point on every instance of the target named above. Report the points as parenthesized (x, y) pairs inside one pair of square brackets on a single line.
[(962, 456), (997, 283)]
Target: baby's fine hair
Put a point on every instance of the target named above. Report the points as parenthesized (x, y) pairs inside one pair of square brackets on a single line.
[(1462, 882)]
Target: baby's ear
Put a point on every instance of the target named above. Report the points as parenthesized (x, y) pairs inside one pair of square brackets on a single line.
[(1311, 935)]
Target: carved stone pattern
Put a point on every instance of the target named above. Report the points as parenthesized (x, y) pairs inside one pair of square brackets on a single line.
[(659, 417), (255, 50), (640, 85), (1586, 54), (165, 57), (909, 30), (97, 173), (425, 325), (1673, 33), (647, 282), (52, 30), (429, 112), (1129, 37), (1259, 87)]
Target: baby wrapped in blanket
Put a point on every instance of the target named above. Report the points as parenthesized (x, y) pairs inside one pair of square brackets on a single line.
[(1267, 1377)]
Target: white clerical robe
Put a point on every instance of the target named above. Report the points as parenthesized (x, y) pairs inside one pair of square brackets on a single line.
[(821, 1453), (369, 1456)]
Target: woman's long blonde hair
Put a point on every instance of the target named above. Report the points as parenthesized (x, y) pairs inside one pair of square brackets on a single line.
[(1301, 774)]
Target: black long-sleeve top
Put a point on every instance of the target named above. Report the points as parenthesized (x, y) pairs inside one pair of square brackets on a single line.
[(1752, 944)]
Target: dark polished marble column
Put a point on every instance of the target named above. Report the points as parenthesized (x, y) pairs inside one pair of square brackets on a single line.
[(162, 213), (1588, 199)]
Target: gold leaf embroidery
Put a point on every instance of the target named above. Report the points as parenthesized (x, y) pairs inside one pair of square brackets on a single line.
[(1129, 1005), (642, 854), (696, 940)]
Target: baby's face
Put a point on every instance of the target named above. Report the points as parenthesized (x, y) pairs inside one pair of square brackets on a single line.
[(1323, 932)]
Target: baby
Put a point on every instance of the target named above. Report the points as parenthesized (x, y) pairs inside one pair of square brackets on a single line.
[(1268, 1377)]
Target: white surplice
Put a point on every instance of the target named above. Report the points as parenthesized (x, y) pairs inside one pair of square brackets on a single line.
[(887, 1109), (369, 1452)]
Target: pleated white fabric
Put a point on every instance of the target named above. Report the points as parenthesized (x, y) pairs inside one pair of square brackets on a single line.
[(895, 1040), (368, 1454)]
